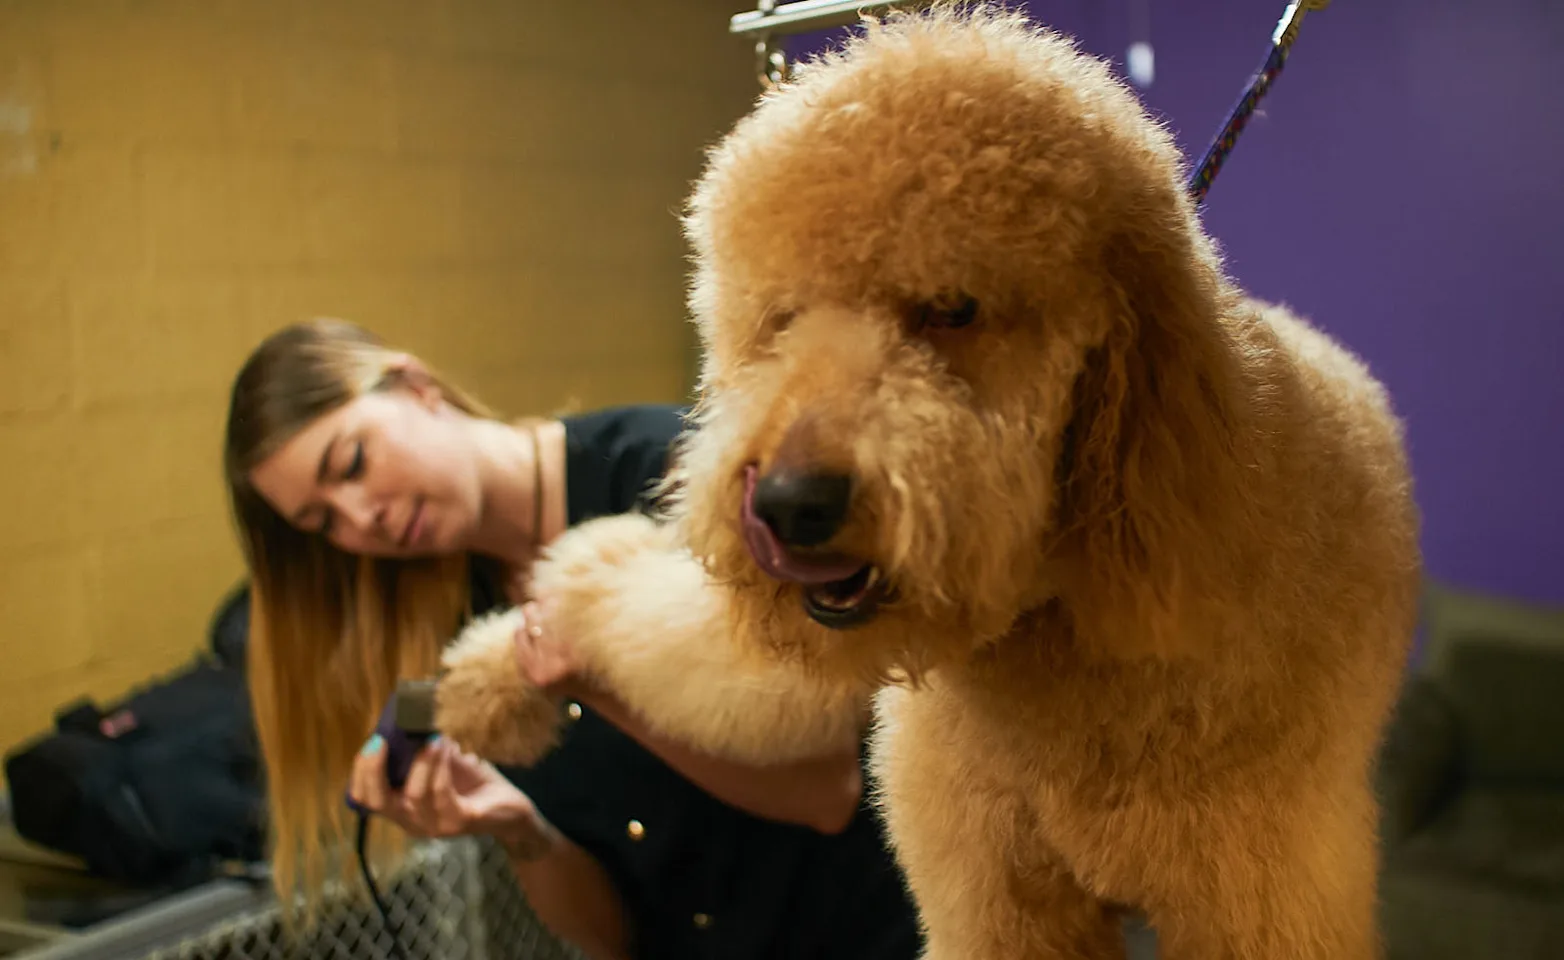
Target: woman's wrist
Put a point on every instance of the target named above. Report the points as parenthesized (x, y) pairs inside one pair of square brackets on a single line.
[(528, 837)]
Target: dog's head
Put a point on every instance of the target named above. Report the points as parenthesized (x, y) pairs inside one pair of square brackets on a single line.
[(953, 299)]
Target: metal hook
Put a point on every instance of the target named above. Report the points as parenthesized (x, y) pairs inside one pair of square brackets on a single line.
[(771, 62), (772, 19), (771, 58), (1292, 19)]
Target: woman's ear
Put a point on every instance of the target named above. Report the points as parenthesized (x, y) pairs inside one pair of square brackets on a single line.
[(409, 372)]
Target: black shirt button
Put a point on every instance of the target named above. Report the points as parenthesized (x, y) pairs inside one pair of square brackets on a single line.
[(702, 921), (635, 830)]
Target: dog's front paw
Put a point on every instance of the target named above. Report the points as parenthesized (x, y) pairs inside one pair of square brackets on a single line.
[(484, 704)]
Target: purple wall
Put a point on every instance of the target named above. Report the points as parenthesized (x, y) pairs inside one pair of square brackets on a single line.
[(1404, 188)]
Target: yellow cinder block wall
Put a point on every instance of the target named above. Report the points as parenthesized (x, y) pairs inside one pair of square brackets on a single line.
[(492, 183)]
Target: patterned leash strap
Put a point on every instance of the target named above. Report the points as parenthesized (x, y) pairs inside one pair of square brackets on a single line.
[(1281, 45)]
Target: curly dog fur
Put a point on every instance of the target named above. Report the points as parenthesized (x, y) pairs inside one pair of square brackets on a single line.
[(1152, 543)]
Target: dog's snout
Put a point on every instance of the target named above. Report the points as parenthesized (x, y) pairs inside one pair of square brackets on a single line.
[(803, 509)]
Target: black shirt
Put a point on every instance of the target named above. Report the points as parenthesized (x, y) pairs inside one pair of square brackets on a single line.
[(702, 879)]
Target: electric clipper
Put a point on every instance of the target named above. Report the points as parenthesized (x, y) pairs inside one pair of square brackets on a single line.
[(406, 725)]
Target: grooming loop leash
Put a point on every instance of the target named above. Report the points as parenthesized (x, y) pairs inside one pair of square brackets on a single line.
[(1281, 45)]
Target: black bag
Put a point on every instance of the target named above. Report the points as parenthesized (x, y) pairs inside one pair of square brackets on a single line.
[(231, 628), (166, 784)]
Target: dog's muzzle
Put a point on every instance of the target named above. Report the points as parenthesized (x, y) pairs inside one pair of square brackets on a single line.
[(787, 519)]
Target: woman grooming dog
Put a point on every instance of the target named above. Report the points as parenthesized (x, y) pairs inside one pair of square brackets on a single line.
[(380, 508)]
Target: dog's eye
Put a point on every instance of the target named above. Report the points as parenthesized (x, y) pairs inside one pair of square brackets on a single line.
[(949, 312), (778, 319), (771, 323)]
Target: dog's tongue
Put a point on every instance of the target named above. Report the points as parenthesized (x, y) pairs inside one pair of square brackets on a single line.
[(779, 562)]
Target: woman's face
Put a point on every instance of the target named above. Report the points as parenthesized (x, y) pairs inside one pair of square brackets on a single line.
[(393, 473)]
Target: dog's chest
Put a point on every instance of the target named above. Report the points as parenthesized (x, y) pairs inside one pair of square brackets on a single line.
[(1047, 725), (1064, 782)]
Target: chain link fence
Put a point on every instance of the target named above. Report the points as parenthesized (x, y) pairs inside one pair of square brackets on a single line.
[(452, 900)]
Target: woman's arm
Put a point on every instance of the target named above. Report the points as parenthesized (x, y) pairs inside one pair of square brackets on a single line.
[(822, 793), (567, 888)]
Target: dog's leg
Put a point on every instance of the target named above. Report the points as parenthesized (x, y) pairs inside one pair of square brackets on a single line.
[(1274, 886), (652, 628), (984, 883)]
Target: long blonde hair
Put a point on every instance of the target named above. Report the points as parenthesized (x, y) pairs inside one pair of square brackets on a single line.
[(330, 633)]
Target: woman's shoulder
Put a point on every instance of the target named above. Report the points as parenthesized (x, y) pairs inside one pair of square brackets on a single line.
[(657, 424), (614, 456)]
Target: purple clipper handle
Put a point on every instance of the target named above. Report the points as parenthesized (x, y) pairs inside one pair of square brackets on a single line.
[(406, 725)]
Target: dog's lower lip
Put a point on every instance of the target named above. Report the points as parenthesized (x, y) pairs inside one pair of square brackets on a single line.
[(864, 592)]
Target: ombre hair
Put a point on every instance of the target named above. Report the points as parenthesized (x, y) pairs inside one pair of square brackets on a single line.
[(331, 633)]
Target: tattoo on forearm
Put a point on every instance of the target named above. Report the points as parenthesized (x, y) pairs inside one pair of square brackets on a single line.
[(530, 843)]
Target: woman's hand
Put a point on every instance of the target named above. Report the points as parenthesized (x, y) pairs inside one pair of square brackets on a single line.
[(546, 661), (449, 793)]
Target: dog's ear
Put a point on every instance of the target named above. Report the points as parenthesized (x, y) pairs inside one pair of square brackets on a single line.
[(1148, 460)]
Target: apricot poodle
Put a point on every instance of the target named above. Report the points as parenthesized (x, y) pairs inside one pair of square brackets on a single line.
[(1123, 560)]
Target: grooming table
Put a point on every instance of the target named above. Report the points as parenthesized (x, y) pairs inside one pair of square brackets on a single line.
[(454, 900)]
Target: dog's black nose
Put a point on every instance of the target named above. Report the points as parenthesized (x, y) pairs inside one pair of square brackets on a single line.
[(803, 509)]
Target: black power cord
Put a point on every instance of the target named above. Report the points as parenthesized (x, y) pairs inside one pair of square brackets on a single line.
[(397, 949), (406, 724)]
